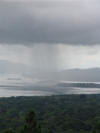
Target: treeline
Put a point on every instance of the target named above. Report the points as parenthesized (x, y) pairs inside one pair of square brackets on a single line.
[(55, 114)]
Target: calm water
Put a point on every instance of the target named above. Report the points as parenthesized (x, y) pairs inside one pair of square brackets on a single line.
[(9, 92), (5, 92), (15, 85)]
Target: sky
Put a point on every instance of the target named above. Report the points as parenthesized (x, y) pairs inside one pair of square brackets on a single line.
[(49, 35)]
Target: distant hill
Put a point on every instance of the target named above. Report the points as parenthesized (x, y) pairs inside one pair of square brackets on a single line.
[(79, 75), (88, 75)]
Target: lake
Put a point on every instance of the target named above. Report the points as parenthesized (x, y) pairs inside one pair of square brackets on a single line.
[(7, 92)]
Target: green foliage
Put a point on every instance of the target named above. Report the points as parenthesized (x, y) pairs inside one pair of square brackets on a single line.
[(8, 131), (55, 114), (96, 127), (31, 125)]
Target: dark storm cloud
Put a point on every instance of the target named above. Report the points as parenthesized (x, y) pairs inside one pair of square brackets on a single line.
[(69, 22)]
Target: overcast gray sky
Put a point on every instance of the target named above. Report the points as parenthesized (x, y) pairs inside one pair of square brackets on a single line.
[(50, 35), (68, 21)]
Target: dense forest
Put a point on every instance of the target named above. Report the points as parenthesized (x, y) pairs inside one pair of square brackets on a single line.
[(53, 114)]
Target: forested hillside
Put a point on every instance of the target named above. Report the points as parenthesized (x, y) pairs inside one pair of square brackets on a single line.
[(55, 114)]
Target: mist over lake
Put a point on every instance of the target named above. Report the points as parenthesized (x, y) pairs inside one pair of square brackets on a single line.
[(17, 85)]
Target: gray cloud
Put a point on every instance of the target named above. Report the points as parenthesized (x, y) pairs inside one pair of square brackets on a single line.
[(69, 22)]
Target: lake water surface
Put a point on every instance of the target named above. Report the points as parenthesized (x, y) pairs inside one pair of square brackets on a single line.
[(7, 92)]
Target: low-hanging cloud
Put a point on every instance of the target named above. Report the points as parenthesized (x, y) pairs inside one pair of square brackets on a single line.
[(68, 22)]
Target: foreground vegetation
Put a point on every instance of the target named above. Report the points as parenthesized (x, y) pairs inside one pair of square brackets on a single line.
[(55, 114)]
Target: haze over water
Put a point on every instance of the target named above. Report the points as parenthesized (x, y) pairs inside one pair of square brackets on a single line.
[(12, 85), (7, 92)]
